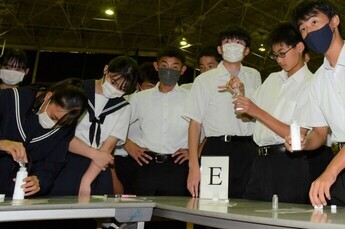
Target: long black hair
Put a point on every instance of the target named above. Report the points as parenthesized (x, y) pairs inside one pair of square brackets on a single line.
[(69, 95)]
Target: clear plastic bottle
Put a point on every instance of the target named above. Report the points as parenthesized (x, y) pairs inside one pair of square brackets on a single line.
[(18, 193), (237, 91)]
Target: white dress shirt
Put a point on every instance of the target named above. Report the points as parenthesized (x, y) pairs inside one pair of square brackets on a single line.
[(163, 130), (327, 96), (285, 98), (213, 108), (133, 133)]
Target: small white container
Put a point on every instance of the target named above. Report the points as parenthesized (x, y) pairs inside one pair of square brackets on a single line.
[(275, 202), (2, 197), (295, 132), (18, 193)]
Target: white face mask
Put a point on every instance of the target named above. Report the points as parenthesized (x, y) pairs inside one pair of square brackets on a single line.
[(11, 77), (232, 52), (45, 121), (110, 92)]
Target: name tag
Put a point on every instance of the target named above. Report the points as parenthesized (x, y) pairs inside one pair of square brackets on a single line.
[(214, 177)]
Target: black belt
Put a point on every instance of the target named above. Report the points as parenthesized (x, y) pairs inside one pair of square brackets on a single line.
[(233, 138), (160, 157), (271, 149)]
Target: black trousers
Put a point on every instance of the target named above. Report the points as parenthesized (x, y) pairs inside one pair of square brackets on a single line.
[(162, 179), (126, 170), (241, 155), (338, 190), (286, 174)]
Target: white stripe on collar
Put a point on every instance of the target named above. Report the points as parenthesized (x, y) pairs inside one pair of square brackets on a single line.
[(17, 110), (19, 123)]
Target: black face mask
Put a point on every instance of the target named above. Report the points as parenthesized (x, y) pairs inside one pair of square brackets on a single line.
[(320, 40), (168, 76)]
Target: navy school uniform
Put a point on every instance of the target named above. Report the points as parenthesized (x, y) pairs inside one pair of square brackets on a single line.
[(46, 148), (69, 179)]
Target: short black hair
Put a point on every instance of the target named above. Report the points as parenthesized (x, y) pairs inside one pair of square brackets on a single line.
[(235, 32), (286, 34), (306, 8), (148, 73), (210, 51), (171, 51), (15, 58)]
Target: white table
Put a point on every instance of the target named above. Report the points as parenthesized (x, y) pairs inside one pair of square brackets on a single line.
[(123, 210), (247, 214)]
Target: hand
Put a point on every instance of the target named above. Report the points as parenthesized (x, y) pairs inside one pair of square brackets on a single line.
[(234, 84), (181, 155), (84, 189), (16, 149), (137, 152), (31, 186), (287, 142), (193, 181), (243, 105), (320, 189), (102, 159)]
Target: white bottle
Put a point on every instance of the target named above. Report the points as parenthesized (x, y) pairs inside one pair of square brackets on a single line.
[(18, 193), (275, 202), (295, 133)]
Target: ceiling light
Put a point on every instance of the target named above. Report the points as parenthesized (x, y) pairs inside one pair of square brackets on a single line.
[(109, 11), (185, 46), (102, 19), (262, 48), (183, 42)]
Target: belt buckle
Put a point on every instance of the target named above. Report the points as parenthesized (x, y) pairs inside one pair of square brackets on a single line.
[(160, 158), (263, 151), (227, 138)]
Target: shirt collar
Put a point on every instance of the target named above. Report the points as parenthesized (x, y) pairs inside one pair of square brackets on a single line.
[(225, 71), (341, 60), (298, 77), (156, 89)]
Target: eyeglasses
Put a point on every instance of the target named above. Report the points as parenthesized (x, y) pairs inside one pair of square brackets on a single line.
[(274, 56)]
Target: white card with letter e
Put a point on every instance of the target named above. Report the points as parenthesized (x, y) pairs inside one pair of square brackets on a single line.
[(214, 177)]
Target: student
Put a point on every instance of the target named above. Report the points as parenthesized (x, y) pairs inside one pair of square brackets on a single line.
[(126, 166), (13, 68), (318, 22), (103, 126), (148, 77), (36, 128), (161, 150), (208, 106), (208, 59), (275, 104)]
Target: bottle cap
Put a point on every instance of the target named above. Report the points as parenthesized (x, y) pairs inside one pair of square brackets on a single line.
[(21, 163), (22, 169)]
